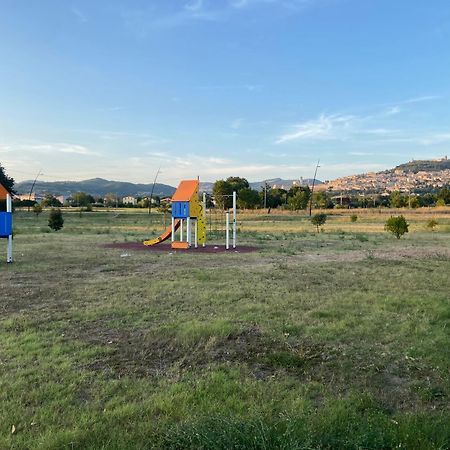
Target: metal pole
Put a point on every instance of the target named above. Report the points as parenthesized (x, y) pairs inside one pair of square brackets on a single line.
[(173, 229), (204, 217), (312, 190), (9, 256), (181, 230), (227, 232), (234, 219), (196, 233), (188, 231)]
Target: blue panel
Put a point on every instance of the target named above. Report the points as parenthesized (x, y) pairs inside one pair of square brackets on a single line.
[(5, 224), (180, 210)]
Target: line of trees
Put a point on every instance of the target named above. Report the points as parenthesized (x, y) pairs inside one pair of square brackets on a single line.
[(298, 197)]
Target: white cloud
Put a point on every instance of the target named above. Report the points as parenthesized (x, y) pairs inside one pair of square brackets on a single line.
[(79, 15), (237, 123), (392, 111), (324, 127), (56, 148)]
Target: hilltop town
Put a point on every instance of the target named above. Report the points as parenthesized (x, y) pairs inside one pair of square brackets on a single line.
[(412, 177)]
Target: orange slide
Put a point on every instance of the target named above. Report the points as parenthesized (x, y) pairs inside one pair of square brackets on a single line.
[(166, 235)]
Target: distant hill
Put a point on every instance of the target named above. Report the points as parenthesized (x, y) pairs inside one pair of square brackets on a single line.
[(425, 165), (95, 186)]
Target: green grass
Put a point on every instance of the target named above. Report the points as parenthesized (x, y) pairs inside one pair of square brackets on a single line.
[(330, 340)]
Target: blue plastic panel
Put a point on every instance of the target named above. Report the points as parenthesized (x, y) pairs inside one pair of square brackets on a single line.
[(180, 210), (5, 224)]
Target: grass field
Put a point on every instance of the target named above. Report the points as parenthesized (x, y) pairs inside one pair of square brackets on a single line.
[(317, 341)]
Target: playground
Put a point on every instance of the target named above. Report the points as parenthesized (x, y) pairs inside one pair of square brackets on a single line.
[(331, 339)]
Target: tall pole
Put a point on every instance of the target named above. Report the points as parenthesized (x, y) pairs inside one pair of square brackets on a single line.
[(153, 188), (234, 219), (312, 188), (227, 231), (9, 256), (32, 186)]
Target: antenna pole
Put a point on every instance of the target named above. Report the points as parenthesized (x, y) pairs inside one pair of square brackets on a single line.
[(151, 193), (312, 188)]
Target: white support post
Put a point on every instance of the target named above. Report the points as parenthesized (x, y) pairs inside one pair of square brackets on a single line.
[(9, 256), (188, 231), (227, 232), (181, 230), (234, 219), (196, 233), (173, 229), (204, 211)]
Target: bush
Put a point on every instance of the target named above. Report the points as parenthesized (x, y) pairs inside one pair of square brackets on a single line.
[(353, 218), (432, 224), (37, 209), (318, 220), (397, 225), (55, 220)]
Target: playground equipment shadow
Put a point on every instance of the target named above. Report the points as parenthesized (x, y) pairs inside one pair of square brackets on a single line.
[(167, 248)]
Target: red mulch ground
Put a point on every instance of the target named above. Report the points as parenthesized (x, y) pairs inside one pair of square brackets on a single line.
[(166, 248)]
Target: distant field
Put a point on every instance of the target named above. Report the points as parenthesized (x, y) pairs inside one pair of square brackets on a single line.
[(317, 341)]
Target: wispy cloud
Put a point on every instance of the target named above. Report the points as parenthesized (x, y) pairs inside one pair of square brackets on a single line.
[(392, 111), (237, 123), (79, 15), (322, 128)]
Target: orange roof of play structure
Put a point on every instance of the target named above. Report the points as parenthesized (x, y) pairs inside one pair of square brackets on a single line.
[(185, 191), (3, 192)]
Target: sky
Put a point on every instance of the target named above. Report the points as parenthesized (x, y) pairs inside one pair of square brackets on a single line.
[(253, 88)]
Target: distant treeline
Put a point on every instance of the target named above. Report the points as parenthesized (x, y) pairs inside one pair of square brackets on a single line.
[(296, 198)]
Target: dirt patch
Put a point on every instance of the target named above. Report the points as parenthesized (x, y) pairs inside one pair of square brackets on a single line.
[(167, 249), (149, 354)]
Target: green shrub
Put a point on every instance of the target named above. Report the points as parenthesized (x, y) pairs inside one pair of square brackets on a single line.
[(432, 224), (318, 220), (55, 219), (353, 218), (396, 225)]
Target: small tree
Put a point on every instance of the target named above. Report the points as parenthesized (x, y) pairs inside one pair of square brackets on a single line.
[(37, 209), (55, 219), (432, 224), (353, 218), (397, 225), (318, 220)]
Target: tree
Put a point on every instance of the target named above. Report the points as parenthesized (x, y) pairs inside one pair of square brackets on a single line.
[(298, 197), (5, 180), (50, 200), (237, 183), (37, 209), (276, 197), (248, 198), (82, 199), (323, 200), (444, 194), (397, 200), (397, 225), (318, 220), (55, 219), (111, 199), (165, 208), (222, 190)]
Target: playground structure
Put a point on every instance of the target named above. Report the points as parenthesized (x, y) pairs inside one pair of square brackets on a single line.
[(189, 213), (6, 222)]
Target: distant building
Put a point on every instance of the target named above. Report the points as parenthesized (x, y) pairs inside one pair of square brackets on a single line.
[(129, 201), (33, 197)]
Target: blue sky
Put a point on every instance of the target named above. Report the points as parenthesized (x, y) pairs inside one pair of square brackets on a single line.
[(255, 88)]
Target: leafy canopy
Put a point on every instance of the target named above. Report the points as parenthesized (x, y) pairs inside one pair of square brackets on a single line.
[(396, 225), (5, 180)]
